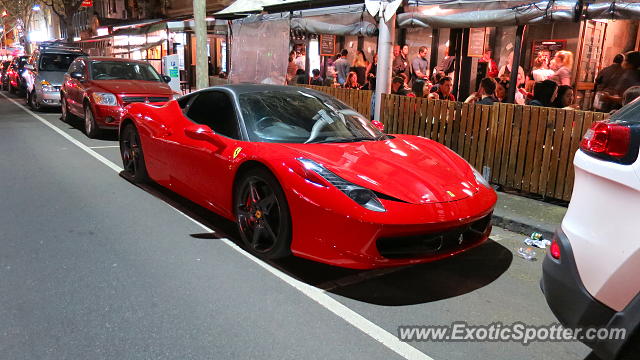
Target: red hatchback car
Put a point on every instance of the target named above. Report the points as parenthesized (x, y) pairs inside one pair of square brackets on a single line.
[(97, 89)]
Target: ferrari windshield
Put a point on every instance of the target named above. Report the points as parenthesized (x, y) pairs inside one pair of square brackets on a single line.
[(121, 70), (303, 117)]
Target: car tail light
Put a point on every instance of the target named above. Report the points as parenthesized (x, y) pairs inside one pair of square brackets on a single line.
[(554, 250), (608, 139)]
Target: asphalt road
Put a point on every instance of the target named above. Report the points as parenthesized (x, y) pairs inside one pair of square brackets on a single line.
[(94, 267)]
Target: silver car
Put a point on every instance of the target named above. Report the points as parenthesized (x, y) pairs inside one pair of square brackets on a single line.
[(45, 72)]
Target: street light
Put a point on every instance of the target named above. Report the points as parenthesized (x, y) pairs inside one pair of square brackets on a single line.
[(4, 30)]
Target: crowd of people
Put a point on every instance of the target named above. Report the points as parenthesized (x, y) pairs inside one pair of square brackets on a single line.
[(547, 84)]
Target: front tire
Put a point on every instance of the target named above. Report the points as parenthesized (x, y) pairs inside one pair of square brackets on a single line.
[(132, 155), (66, 115), (32, 99), (262, 214), (90, 126)]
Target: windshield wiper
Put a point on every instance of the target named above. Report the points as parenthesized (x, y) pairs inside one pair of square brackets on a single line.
[(344, 140)]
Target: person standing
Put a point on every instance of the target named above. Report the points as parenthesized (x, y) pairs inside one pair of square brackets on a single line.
[(541, 71), (563, 61), (420, 66), (292, 68), (342, 67), (359, 66), (606, 81), (630, 77), (301, 60), (492, 67), (400, 62)]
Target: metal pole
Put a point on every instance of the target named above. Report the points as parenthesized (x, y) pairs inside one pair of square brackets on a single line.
[(515, 66), (386, 34), (202, 68)]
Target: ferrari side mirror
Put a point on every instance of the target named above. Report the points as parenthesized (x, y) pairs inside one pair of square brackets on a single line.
[(378, 124), (204, 133)]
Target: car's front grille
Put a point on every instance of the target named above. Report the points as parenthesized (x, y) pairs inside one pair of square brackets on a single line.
[(133, 99), (138, 99), (432, 244), (158, 99)]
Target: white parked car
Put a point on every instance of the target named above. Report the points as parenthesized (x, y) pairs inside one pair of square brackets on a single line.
[(591, 274)]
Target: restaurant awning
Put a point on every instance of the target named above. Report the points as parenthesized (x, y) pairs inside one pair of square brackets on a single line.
[(480, 13)]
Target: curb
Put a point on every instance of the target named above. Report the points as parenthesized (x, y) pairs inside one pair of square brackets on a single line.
[(521, 227)]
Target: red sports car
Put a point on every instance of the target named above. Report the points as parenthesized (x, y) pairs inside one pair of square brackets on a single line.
[(97, 89), (302, 173)]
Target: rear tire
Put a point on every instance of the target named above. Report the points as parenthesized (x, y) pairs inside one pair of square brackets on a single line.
[(90, 126), (132, 155), (262, 214)]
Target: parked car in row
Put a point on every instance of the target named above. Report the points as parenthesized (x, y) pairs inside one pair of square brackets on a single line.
[(590, 274), (14, 74), (44, 74), (4, 80), (97, 89), (302, 173)]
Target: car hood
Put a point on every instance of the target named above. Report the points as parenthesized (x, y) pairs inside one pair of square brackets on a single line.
[(133, 87), (54, 78), (408, 168)]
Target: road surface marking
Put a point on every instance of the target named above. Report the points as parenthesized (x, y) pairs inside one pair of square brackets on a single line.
[(321, 297), (104, 147)]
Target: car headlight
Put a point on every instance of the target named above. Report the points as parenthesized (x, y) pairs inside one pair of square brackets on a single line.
[(47, 87), (105, 99), (363, 196), (480, 179)]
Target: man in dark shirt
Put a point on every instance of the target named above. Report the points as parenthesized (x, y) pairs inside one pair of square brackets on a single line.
[(608, 77), (397, 87), (487, 90), (400, 63), (444, 89)]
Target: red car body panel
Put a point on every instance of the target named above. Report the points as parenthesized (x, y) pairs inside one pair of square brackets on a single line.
[(78, 92), (427, 187)]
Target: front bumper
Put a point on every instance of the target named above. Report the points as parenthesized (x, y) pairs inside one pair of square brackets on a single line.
[(49, 98), (107, 117), (333, 229), (570, 301)]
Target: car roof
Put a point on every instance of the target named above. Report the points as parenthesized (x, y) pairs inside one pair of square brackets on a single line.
[(114, 59), (61, 50), (251, 88)]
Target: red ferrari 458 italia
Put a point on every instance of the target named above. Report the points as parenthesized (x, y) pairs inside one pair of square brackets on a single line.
[(301, 173)]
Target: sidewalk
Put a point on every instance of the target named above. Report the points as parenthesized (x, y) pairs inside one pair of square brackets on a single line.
[(523, 215)]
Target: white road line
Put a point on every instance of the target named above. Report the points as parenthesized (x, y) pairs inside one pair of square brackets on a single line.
[(321, 297), (104, 147)]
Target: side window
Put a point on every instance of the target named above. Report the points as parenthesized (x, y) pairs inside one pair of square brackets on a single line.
[(82, 68), (215, 109)]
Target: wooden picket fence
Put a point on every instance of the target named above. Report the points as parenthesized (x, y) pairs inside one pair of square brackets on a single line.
[(522, 147), (359, 100)]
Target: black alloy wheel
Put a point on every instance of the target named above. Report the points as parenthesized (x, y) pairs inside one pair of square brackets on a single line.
[(132, 156), (262, 214)]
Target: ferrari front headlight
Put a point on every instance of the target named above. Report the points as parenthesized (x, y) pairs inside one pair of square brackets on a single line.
[(363, 196), (105, 99), (479, 178)]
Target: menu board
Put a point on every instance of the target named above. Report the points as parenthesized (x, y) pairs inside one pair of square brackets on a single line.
[(476, 42), (327, 45)]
